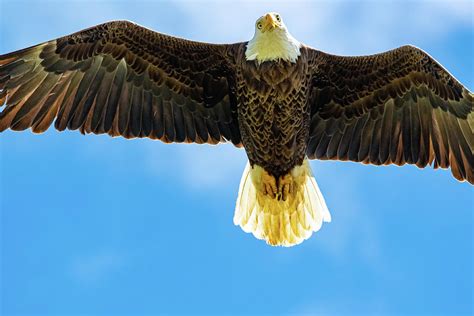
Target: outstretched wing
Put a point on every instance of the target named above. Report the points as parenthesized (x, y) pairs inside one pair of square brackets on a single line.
[(397, 107), (122, 79)]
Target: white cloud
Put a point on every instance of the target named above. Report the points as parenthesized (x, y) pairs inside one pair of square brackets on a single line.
[(91, 269), (198, 167), (352, 232), (343, 27)]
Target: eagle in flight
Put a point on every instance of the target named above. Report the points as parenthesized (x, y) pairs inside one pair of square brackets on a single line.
[(282, 101)]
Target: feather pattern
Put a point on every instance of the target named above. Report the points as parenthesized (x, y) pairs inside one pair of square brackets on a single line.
[(406, 107), (125, 80)]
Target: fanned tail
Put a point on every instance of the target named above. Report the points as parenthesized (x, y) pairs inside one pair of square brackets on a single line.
[(281, 223)]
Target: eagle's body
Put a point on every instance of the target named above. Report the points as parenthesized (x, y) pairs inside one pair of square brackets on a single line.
[(275, 116), (282, 101)]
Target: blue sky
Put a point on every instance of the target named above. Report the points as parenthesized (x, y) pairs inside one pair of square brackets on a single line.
[(92, 225)]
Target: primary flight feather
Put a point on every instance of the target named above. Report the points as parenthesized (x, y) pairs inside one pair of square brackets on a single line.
[(281, 100)]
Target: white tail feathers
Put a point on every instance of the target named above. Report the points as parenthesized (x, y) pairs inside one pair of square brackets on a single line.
[(281, 223)]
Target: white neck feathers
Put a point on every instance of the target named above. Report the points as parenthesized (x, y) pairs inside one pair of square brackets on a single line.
[(274, 45)]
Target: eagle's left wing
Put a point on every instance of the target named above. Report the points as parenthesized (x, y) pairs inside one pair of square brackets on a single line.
[(396, 107)]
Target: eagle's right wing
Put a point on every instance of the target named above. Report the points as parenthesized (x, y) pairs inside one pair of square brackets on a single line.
[(125, 80)]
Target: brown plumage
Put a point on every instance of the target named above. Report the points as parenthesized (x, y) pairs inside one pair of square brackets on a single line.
[(122, 79), (396, 107), (274, 124)]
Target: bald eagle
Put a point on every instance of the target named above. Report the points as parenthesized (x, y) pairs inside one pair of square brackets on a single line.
[(282, 101)]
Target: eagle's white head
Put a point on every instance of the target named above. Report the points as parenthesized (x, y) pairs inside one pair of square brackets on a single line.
[(272, 41)]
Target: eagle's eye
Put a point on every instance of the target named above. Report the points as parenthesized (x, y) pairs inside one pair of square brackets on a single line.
[(259, 25), (277, 16)]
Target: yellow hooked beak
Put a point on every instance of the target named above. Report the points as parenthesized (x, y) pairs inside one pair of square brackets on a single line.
[(269, 23)]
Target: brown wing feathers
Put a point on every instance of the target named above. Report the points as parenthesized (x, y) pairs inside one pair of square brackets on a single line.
[(397, 107), (121, 79)]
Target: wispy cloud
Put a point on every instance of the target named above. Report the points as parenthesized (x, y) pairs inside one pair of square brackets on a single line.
[(368, 26), (93, 268), (352, 232), (198, 167)]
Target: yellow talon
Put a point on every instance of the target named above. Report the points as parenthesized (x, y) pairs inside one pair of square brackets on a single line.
[(269, 185), (285, 186)]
